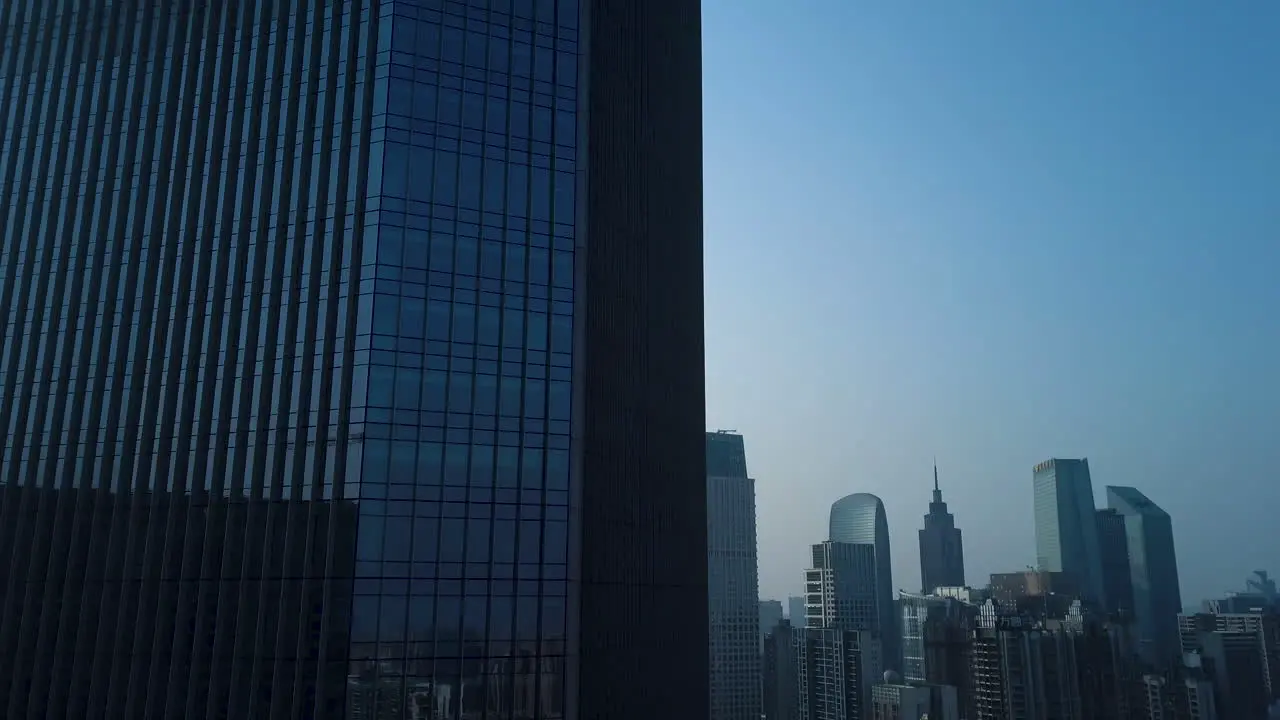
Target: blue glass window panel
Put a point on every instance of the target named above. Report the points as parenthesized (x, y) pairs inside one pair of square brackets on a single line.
[(469, 182), (562, 269), (404, 464), (464, 323), (540, 193), (495, 185), (504, 541), (460, 392), (398, 538), (557, 469), (446, 188), (421, 167), (381, 386), (519, 119), (517, 190), (531, 470), (435, 383), (508, 467), (530, 541), (486, 394), (438, 319), (534, 398), (512, 327), (369, 538), (564, 196), (427, 41), (482, 465), (449, 105), (426, 539), (556, 542), (488, 325), (466, 259), (377, 458), (390, 244), (539, 266), (455, 464), (537, 331), (509, 397), (430, 458), (441, 253), (395, 168), (477, 539), (452, 537), (542, 123), (424, 101)]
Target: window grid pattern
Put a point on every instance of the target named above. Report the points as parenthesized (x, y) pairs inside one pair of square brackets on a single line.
[(464, 357), (182, 201)]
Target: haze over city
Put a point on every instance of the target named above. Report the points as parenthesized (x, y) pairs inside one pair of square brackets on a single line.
[(996, 233)]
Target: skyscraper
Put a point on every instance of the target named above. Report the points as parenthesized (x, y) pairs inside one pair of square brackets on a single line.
[(1113, 547), (770, 616), (796, 610), (1153, 571), (733, 589), (941, 546), (1066, 526), (352, 360), (860, 519)]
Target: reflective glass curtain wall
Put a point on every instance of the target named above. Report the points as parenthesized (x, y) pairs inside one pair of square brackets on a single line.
[(297, 416), (464, 361)]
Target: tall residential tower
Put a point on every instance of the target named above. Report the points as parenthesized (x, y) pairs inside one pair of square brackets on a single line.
[(733, 590), (1067, 526), (352, 362), (941, 546)]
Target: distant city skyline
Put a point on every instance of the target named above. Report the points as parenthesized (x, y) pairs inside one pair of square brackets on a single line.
[(1007, 232), (787, 589)]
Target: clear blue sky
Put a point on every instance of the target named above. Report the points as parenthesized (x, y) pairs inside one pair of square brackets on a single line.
[(997, 232)]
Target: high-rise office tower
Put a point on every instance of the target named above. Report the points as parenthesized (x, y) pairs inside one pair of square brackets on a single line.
[(1153, 571), (770, 616), (941, 546), (1113, 547), (352, 360), (796, 611), (780, 677), (1066, 525), (733, 588), (859, 519)]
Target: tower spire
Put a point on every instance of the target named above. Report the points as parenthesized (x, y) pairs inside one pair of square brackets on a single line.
[(937, 493)]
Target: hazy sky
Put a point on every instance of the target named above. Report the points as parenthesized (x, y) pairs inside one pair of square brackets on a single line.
[(997, 232)]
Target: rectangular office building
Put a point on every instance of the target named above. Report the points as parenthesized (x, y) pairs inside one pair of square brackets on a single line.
[(353, 359)]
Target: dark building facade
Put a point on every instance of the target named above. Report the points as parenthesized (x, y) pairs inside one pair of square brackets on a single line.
[(937, 642), (1153, 572), (780, 677), (834, 675), (352, 360), (941, 546), (1113, 545)]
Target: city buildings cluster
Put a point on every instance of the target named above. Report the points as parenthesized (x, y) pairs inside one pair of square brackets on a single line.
[(1096, 631)]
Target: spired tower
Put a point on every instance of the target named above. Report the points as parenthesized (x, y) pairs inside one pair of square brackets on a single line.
[(941, 546)]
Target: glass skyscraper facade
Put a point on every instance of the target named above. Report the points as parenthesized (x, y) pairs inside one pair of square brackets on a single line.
[(340, 340), (1153, 571), (860, 519), (734, 608), (1067, 526)]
